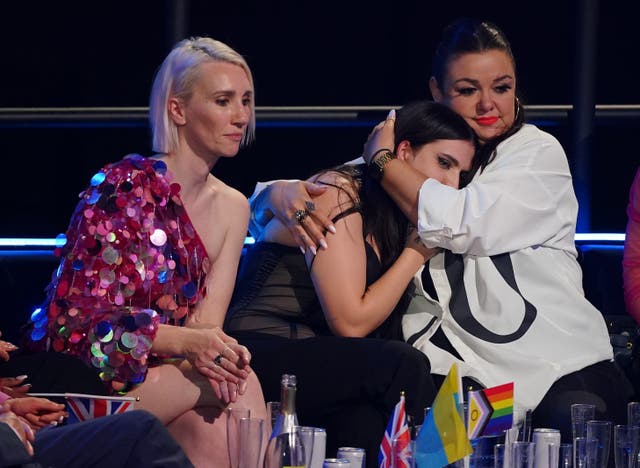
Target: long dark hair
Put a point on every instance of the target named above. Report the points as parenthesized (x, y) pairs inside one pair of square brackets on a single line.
[(465, 36), (419, 123)]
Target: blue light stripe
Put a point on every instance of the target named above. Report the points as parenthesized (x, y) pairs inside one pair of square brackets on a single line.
[(52, 242)]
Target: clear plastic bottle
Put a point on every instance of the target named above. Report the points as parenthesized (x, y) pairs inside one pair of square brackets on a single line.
[(285, 448)]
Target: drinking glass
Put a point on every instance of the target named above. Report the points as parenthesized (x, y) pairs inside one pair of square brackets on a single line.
[(584, 452), (580, 414), (401, 452), (234, 415), (499, 452), (251, 437), (273, 411), (522, 454), (307, 436), (600, 431), (355, 455), (633, 413), (626, 443), (483, 455), (565, 456)]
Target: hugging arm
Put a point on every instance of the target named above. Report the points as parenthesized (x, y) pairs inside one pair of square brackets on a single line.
[(281, 199), (339, 273)]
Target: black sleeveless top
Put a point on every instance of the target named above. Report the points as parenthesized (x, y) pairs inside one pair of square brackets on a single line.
[(274, 294)]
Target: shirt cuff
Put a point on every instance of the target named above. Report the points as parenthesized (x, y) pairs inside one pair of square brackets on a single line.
[(434, 202)]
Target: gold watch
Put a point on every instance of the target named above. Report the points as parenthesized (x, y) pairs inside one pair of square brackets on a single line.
[(376, 168)]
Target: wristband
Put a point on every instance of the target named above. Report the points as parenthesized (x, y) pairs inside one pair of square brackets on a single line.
[(376, 168)]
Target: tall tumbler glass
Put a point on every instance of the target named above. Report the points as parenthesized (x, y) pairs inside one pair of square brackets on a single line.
[(580, 414), (584, 452), (565, 456), (633, 413), (273, 411), (626, 444), (600, 431), (483, 455), (522, 454), (234, 415), (250, 446), (499, 452)]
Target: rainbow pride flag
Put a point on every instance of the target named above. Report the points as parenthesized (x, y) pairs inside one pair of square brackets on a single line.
[(490, 411), (443, 438)]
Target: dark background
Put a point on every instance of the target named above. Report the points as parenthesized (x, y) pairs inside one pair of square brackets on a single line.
[(302, 53)]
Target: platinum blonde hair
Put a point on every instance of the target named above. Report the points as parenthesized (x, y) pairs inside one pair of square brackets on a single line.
[(176, 77)]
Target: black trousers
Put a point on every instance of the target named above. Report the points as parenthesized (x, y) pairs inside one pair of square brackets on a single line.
[(349, 386), (602, 384)]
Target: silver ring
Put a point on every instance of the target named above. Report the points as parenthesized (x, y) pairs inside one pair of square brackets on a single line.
[(300, 215)]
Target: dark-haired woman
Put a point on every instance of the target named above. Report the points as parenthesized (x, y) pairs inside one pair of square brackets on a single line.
[(309, 315)]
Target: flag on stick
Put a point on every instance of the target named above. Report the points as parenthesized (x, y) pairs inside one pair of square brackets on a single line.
[(490, 411), (396, 454), (443, 438), (82, 407)]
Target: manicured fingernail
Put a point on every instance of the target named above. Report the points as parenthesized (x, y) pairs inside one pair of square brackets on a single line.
[(323, 244), (313, 250), (303, 250), (331, 228), (392, 114), (22, 377), (54, 423)]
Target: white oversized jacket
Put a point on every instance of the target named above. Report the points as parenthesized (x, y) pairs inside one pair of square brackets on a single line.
[(509, 289)]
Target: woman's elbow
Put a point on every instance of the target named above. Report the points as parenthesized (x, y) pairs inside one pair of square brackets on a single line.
[(347, 330)]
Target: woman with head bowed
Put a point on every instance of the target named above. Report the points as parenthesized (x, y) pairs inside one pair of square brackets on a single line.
[(151, 255)]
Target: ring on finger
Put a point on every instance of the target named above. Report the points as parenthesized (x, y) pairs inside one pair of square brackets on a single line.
[(300, 215), (218, 360)]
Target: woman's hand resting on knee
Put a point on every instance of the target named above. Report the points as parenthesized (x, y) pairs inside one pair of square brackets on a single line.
[(221, 359)]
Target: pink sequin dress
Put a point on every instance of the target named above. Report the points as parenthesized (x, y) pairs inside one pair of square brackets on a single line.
[(631, 261), (132, 260)]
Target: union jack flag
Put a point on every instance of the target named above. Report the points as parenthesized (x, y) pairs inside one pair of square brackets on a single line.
[(83, 407), (395, 448)]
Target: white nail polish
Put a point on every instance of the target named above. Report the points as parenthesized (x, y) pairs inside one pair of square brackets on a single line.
[(392, 114), (332, 228), (323, 244), (22, 377), (303, 250), (313, 250)]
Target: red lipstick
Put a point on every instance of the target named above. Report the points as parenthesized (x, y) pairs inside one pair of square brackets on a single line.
[(486, 120)]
